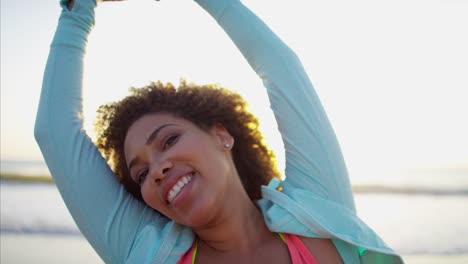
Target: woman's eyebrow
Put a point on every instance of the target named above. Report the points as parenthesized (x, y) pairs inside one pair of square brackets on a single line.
[(154, 134), (150, 139)]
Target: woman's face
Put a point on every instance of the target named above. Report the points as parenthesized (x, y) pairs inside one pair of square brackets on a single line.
[(184, 172)]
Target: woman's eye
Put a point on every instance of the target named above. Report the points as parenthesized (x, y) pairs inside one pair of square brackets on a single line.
[(142, 176), (170, 141)]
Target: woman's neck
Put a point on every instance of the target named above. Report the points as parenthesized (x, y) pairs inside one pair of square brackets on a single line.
[(238, 228)]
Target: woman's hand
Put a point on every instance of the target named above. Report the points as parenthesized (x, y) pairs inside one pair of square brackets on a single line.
[(72, 2)]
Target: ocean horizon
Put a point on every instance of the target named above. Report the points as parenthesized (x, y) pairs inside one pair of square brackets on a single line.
[(421, 215), (437, 181), (24, 167), (408, 210), (410, 224)]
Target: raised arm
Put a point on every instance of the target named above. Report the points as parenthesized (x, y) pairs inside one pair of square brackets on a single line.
[(313, 156), (106, 214)]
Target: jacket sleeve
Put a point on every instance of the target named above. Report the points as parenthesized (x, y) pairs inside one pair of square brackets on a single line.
[(109, 217), (313, 157)]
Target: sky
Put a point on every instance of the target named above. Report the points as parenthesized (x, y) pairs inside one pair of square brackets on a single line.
[(392, 75)]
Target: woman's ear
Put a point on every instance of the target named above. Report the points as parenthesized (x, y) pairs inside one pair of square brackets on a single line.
[(224, 138)]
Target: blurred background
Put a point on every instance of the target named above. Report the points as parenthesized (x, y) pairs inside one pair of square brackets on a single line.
[(392, 77)]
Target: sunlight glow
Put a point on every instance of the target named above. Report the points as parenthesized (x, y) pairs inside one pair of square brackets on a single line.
[(394, 89), (381, 122)]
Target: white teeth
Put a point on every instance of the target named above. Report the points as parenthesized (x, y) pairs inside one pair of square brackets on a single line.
[(177, 187), (180, 184), (172, 193)]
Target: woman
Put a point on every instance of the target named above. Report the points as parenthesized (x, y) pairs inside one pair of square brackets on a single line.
[(199, 206)]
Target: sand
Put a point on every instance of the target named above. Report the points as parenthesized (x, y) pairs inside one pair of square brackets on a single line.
[(27, 248), (32, 248), (436, 259)]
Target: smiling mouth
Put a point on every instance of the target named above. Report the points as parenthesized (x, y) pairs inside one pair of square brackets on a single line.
[(177, 187)]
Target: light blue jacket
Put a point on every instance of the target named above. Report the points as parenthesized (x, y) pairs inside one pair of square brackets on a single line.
[(316, 200)]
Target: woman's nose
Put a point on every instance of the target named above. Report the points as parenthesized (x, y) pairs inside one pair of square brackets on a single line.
[(160, 170)]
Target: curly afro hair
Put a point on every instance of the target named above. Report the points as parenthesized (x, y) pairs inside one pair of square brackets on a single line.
[(204, 106)]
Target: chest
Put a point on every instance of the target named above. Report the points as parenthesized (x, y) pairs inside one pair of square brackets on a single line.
[(275, 253)]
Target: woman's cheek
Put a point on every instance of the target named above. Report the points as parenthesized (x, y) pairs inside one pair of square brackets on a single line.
[(144, 194), (149, 197)]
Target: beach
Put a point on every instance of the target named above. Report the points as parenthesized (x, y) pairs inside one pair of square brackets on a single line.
[(37, 248), (422, 225)]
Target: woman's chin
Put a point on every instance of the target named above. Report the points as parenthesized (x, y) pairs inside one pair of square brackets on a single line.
[(200, 216)]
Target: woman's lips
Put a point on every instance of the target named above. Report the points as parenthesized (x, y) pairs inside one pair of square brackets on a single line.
[(175, 185)]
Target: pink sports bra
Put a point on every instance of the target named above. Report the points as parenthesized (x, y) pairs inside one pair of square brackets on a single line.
[(299, 253)]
